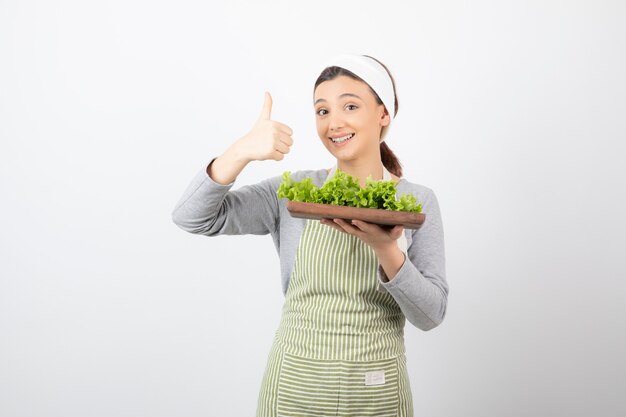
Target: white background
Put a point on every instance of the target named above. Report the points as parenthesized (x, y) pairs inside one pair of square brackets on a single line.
[(512, 112)]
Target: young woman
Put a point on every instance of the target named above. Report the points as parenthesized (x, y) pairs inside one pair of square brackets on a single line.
[(349, 286)]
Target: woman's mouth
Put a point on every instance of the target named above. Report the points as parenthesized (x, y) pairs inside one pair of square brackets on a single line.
[(342, 139)]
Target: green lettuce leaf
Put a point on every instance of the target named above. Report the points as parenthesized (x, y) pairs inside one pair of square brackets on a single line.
[(344, 190)]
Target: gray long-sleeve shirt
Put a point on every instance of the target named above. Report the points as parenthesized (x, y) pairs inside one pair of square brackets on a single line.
[(419, 287)]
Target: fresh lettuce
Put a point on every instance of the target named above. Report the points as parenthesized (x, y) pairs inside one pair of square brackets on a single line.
[(343, 190)]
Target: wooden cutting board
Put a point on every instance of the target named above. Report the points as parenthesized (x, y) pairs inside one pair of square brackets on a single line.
[(377, 216)]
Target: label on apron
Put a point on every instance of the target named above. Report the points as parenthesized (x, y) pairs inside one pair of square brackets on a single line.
[(375, 378)]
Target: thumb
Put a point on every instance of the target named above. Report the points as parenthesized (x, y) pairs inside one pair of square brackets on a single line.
[(266, 113)]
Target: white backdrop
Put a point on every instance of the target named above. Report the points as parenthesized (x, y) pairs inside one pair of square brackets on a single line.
[(512, 112)]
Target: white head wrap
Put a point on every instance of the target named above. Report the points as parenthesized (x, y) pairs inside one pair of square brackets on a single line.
[(375, 75)]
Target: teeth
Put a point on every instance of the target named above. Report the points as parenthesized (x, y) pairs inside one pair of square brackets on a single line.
[(342, 139)]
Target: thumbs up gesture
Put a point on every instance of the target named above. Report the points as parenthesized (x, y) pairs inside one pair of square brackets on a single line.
[(268, 139)]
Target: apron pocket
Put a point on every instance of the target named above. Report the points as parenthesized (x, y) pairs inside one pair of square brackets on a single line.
[(369, 389), (313, 387), (307, 387)]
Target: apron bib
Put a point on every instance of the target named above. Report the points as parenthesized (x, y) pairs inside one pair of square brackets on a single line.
[(339, 348)]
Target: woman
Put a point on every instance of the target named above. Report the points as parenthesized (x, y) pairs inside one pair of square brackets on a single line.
[(339, 349)]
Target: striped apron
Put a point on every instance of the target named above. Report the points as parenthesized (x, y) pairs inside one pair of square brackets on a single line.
[(339, 348)]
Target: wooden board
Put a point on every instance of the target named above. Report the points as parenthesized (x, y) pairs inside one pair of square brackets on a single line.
[(377, 216)]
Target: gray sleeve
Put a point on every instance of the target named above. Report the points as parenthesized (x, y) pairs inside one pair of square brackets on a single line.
[(420, 286), (209, 208)]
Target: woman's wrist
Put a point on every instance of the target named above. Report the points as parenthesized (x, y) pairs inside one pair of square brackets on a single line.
[(226, 168), (391, 259), (236, 154)]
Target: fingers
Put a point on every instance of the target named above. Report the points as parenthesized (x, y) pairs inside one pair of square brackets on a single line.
[(341, 225), (284, 131), (284, 138), (397, 231), (371, 229), (366, 227), (345, 226), (266, 113), (281, 147), (269, 139), (360, 228), (277, 156), (393, 232), (331, 223), (282, 127)]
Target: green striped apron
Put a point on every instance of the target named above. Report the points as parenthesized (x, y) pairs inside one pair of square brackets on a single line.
[(339, 348)]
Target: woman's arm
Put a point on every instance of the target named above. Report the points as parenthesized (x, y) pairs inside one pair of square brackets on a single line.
[(268, 139), (416, 281), (420, 287), (209, 207)]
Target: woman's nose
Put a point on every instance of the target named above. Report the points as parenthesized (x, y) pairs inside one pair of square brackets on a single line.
[(335, 122)]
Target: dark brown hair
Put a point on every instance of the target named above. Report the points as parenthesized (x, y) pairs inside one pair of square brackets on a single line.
[(388, 158)]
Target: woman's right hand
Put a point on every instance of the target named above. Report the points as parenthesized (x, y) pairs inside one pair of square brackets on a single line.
[(267, 139)]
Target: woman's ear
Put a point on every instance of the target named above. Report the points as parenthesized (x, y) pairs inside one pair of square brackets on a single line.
[(385, 119)]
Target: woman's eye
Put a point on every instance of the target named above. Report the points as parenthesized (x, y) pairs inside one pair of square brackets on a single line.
[(351, 106), (320, 112)]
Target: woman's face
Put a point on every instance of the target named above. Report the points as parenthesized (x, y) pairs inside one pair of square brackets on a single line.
[(345, 107)]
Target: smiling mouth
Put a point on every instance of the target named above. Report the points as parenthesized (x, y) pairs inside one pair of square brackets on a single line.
[(342, 138)]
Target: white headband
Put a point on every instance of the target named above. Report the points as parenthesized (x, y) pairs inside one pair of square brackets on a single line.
[(375, 75)]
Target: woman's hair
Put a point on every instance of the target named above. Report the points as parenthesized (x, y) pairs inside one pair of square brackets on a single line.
[(388, 158)]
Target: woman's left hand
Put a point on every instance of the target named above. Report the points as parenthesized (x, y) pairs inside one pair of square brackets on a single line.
[(379, 238)]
